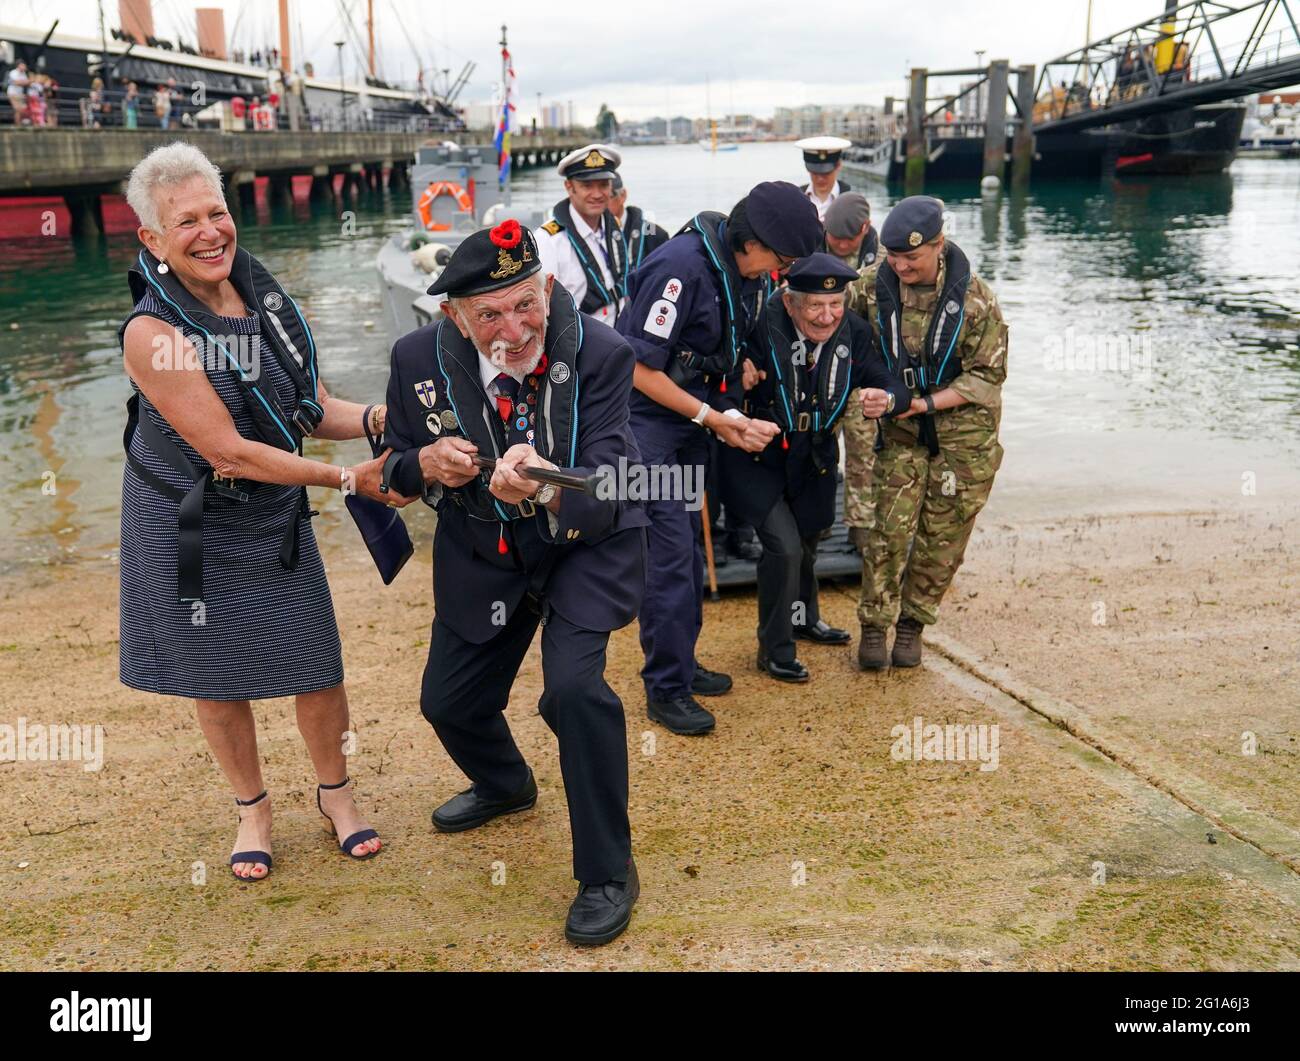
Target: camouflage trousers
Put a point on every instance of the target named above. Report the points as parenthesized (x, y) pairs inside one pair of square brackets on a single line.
[(925, 509), (859, 456)]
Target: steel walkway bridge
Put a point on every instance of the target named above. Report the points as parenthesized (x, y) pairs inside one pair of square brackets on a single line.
[(1195, 53)]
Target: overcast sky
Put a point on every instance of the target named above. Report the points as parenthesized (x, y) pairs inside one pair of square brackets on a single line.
[(761, 54)]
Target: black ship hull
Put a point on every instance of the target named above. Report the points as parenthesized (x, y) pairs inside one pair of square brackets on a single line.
[(1196, 140)]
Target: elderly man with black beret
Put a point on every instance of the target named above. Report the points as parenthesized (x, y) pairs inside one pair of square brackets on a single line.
[(941, 332), (810, 356), (514, 372), (690, 307)]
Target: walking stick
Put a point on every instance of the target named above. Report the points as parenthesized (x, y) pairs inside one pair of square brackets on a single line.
[(708, 548)]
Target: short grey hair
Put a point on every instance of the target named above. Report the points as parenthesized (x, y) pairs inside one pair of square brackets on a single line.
[(166, 166)]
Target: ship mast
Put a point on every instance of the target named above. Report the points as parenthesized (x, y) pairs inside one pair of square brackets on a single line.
[(370, 29)]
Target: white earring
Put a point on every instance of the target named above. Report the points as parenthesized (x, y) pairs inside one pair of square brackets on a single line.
[(162, 267)]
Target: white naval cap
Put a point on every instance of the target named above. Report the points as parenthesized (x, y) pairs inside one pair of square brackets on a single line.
[(595, 162), (821, 154)]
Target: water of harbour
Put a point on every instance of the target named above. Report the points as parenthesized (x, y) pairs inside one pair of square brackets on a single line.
[(1155, 355)]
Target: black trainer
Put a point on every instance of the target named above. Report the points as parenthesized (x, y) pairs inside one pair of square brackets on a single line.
[(467, 810), (681, 714), (601, 912), (709, 682)]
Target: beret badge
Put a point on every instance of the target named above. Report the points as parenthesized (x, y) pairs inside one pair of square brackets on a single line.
[(507, 236), (915, 239)]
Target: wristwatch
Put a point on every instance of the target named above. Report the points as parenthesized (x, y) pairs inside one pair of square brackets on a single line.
[(929, 403), (544, 494), (889, 402)]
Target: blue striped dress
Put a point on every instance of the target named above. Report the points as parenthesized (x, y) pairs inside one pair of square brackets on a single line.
[(261, 631)]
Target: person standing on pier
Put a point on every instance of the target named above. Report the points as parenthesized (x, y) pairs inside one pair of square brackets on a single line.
[(815, 364), (822, 158), (941, 332), (640, 236), (513, 371), (582, 245), (691, 306)]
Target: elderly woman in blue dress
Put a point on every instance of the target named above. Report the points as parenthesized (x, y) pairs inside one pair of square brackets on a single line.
[(224, 597)]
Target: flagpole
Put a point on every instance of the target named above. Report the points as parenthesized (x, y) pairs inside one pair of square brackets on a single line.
[(503, 176)]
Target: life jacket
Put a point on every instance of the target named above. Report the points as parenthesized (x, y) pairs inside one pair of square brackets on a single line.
[(598, 294), (285, 334), (935, 366), (637, 232), (870, 249), (833, 373), (473, 415), (710, 226)]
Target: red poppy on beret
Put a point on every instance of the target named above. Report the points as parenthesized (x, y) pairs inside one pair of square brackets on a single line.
[(507, 234)]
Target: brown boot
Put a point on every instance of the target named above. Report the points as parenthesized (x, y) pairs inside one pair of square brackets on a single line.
[(907, 643), (858, 539), (871, 649)]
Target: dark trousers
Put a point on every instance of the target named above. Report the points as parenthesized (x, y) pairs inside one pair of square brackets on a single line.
[(672, 610), (465, 692), (785, 579)]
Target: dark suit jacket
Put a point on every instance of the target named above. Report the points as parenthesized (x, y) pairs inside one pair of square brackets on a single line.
[(597, 549)]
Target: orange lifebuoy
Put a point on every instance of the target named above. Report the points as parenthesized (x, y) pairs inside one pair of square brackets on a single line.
[(436, 189)]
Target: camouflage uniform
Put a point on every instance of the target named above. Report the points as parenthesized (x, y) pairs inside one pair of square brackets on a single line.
[(859, 452), (925, 507)]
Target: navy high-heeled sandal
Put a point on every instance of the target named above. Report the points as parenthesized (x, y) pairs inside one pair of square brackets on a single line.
[(359, 837), (258, 858)]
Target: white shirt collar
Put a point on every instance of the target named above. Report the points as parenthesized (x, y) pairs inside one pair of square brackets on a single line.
[(488, 373)]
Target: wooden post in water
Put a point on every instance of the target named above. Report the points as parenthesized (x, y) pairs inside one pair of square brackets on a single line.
[(1022, 150), (995, 122), (914, 167)]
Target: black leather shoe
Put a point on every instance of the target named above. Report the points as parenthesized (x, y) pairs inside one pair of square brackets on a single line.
[(794, 671), (749, 550), (709, 682), (601, 912), (467, 810), (682, 715), (822, 633)]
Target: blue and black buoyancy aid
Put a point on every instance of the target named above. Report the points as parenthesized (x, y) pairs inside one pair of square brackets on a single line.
[(738, 316), (640, 236), (832, 375), (474, 415), (870, 249), (937, 364), (285, 333), (598, 293)]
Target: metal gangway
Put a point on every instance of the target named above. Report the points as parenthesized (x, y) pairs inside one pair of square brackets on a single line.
[(1192, 54)]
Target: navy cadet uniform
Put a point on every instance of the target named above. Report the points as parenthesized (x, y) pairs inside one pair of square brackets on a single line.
[(823, 154), (591, 263), (788, 489), (688, 312), (499, 570), (641, 237)]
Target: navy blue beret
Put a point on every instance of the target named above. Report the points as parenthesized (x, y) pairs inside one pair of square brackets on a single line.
[(784, 219), (487, 260), (914, 221), (820, 274)]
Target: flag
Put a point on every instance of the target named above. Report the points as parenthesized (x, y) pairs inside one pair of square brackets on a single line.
[(506, 120)]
